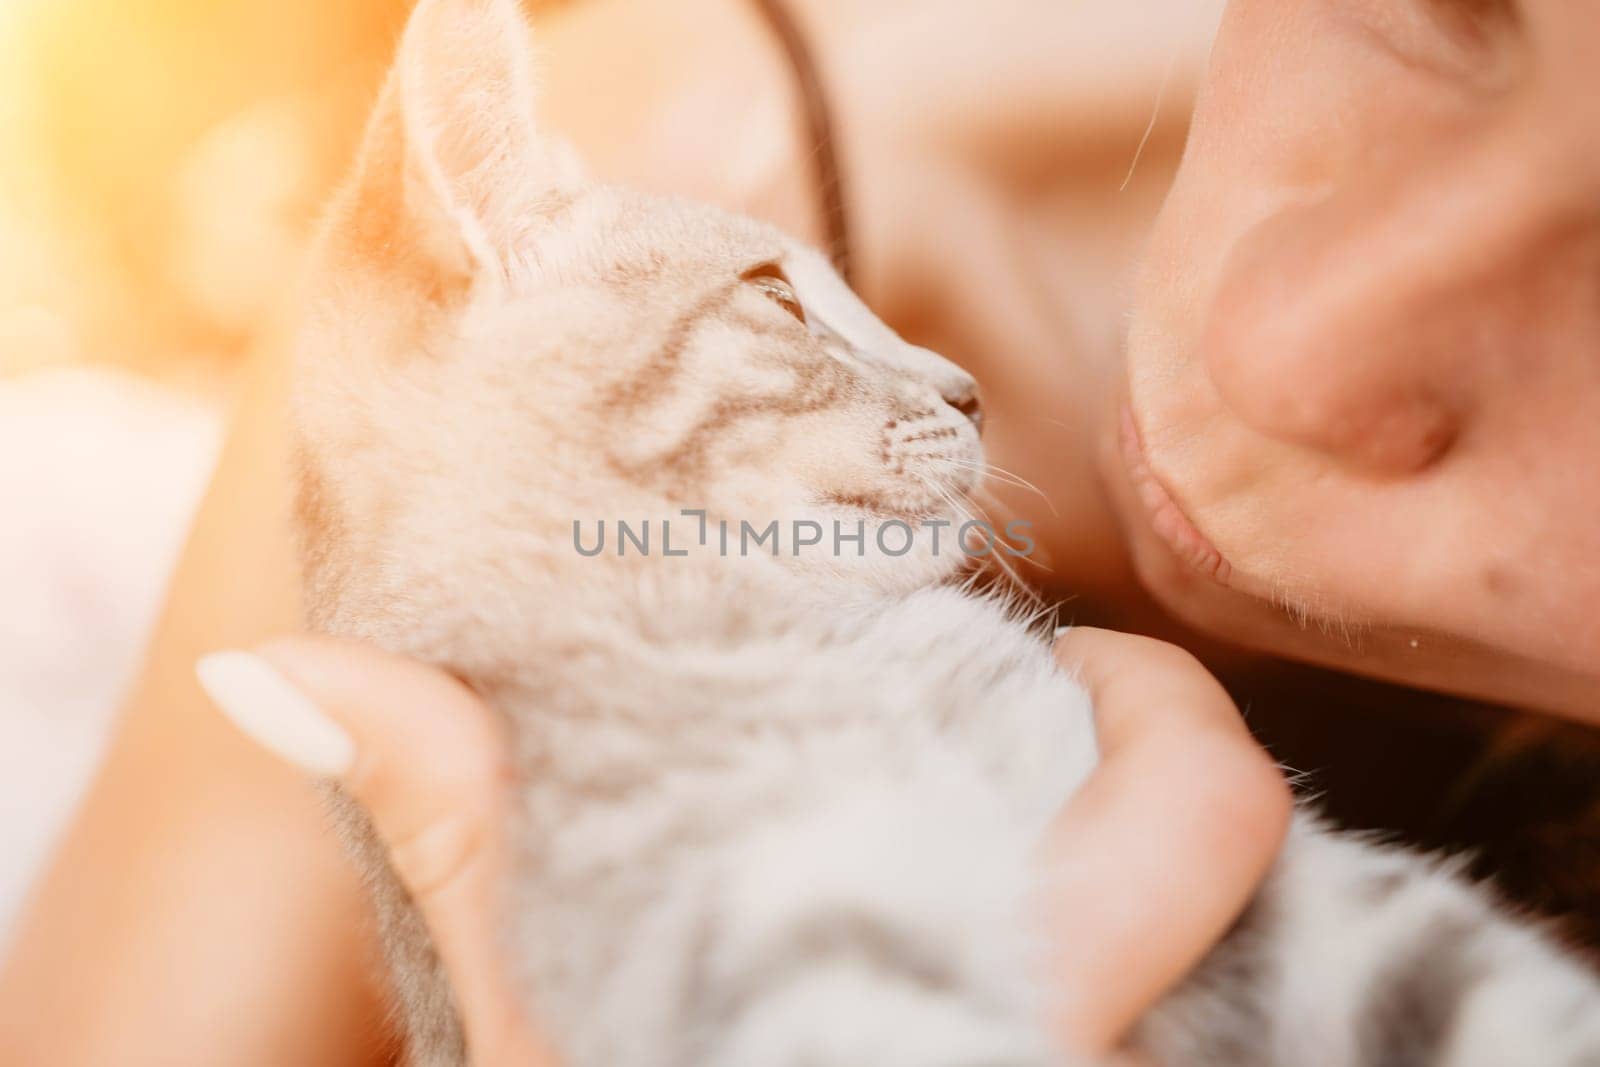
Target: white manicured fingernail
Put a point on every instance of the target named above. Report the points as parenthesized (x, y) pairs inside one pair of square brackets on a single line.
[(1061, 630), (272, 712)]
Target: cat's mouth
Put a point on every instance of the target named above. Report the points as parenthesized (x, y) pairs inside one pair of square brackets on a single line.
[(939, 486)]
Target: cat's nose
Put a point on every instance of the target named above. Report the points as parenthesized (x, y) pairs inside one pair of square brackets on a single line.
[(965, 400), (972, 408)]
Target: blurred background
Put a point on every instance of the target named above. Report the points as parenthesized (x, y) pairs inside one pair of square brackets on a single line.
[(161, 162)]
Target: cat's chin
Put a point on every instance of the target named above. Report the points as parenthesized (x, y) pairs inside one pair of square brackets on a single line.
[(876, 572)]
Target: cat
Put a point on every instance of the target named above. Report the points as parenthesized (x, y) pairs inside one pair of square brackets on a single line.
[(777, 806)]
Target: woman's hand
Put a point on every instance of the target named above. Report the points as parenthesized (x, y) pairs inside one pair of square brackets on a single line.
[(427, 759), (1164, 844)]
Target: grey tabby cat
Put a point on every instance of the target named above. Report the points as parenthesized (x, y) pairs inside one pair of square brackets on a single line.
[(778, 807)]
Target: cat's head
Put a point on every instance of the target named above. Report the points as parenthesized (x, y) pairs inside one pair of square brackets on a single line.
[(500, 349)]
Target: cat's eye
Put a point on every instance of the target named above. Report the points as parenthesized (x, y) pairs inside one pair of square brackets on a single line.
[(771, 282)]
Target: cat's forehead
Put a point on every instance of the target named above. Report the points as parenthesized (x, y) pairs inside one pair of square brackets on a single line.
[(627, 238)]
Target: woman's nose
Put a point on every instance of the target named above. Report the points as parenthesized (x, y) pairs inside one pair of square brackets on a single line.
[(1359, 330)]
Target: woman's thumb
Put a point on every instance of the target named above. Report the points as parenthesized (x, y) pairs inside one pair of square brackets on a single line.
[(429, 760)]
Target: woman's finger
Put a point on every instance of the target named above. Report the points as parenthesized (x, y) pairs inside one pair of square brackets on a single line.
[(1160, 850), (427, 759), (1165, 844)]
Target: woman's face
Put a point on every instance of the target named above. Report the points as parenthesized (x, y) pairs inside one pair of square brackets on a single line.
[(1364, 390)]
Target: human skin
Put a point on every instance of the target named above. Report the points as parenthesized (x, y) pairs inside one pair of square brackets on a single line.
[(1140, 897), (198, 911), (1362, 372)]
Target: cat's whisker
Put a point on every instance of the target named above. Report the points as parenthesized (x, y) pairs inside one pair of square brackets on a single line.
[(998, 505), (1017, 480), (1006, 477), (987, 471), (988, 503), (997, 558), (1062, 423)]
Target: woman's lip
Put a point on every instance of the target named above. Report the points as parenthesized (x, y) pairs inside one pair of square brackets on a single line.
[(1166, 518)]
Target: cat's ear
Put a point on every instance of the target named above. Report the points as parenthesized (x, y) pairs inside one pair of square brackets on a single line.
[(479, 178)]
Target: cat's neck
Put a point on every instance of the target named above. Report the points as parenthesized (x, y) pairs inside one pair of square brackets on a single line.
[(639, 634), (598, 615)]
